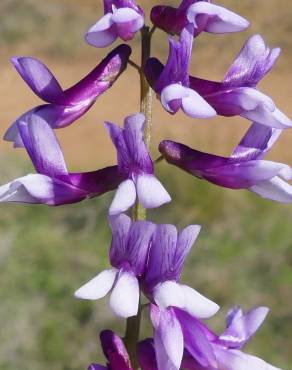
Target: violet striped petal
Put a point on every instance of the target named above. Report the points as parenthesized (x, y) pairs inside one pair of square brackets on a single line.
[(212, 18), (120, 226), (242, 328), (253, 62), (98, 287)]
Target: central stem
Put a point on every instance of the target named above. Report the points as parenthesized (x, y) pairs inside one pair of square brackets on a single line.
[(139, 212)]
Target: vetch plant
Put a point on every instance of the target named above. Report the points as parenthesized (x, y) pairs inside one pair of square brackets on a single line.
[(147, 259)]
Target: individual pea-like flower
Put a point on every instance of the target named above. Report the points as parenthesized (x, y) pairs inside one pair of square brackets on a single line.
[(244, 169), (161, 284), (114, 351), (128, 256), (208, 351), (66, 106), (53, 184), (204, 15), (122, 18), (136, 166), (172, 83), (237, 93)]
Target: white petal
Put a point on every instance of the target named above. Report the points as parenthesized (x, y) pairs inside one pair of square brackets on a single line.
[(123, 15), (220, 20), (197, 305), (101, 35), (275, 189), (124, 299), (98, 287), (173, 294), (151, 192), (195, 106), (124, 198), (170, 93)]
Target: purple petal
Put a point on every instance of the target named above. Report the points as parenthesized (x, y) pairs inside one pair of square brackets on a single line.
[(215, 19), (153, 70), (96, 367), (195, 339), (243, 327), (237, 360), (120, 226), (275, 189), (177, 65), (151, 192), (168, 18), (42, 146), (146, 355), (132, 153), (226, 172), (160, 263), (138, 244), (124, 299), (39, 78), (124, 198), (115, 351), (186, 239), (171, 97), (102, 33), (258, 140), (99, 79), (253, 62), (171, 336), (98, 287)]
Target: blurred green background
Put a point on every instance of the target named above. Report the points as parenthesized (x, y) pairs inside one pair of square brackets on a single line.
[(244, 253)]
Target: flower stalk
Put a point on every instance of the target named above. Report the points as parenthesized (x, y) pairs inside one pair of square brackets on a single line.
[(139, 212)]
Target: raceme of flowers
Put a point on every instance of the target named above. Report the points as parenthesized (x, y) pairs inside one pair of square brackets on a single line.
[(146, 257)]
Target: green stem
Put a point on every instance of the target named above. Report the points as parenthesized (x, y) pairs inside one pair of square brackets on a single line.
[(139, 212)]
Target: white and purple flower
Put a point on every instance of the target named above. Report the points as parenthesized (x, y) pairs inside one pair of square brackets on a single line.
[(171, 82), (203, 349), (237, 93), (244, 169), (122, 18), (136, 166), (205, 16), (66, 106), (128, 256), (53, 184)]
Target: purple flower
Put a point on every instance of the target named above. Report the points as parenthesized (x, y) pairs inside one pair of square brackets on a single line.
[(203, 349), (115, 352), (66, 106), (204, 15), (53, 184), (136, 166), (171, 83), (244, 169), (122, 18), (165, 263), (128, 255), (237, 93)]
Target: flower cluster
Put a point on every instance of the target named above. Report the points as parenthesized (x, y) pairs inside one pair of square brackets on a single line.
[(145, 257)]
